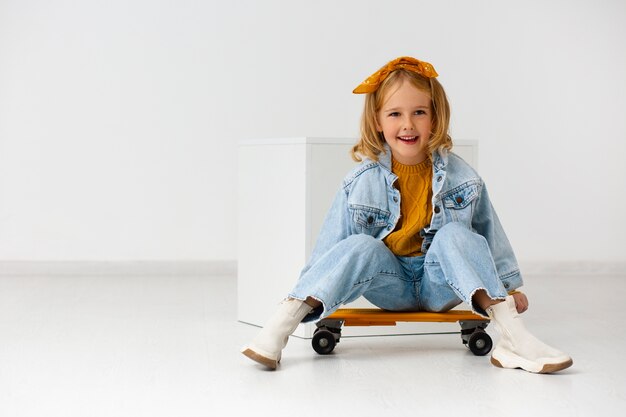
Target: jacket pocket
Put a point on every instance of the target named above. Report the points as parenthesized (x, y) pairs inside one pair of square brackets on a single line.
[(458, 202), (369, 220)]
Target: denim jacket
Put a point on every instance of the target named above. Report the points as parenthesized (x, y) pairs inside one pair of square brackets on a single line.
[(368, 202)]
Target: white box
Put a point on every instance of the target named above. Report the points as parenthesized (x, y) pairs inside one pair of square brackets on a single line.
[(285, 189)]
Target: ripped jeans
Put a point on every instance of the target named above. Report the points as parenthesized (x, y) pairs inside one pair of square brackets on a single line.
[(457, 264)]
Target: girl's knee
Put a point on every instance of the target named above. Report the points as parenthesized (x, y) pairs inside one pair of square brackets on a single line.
[(452, 229), (456, 233), (364, 244), (361, 239)]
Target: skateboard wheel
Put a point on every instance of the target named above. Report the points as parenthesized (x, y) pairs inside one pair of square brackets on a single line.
[(480, 343), (323, 341)]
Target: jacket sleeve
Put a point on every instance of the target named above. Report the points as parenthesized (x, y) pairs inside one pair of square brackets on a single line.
[(486, 223), (336, 227)]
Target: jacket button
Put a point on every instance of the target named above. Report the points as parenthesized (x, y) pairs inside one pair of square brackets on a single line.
[(370, 220), (439, 179), (395, 199), (437, 209), (459, 199), (506, 285)]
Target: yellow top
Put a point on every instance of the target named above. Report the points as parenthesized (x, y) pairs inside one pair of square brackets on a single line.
[(415, 185)]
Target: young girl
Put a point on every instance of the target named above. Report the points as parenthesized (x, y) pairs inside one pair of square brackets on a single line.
[(411, 229)]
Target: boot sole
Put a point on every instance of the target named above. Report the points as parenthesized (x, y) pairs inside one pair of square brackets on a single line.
[(270, 363), (546, 369)]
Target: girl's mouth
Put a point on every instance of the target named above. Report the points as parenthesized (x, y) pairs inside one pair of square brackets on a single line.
[(408, 139)]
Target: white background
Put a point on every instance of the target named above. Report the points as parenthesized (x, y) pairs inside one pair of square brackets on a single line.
[(120, 119)]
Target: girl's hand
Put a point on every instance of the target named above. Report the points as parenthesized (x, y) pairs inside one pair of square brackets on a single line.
[(521, 301)]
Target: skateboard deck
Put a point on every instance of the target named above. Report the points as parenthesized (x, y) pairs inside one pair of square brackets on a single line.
[(378, 317)]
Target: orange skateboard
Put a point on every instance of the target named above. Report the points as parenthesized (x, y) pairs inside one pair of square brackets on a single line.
[(328, 331)]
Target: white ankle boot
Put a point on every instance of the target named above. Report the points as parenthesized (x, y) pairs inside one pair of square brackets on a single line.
[(517, 348), (266, 348)]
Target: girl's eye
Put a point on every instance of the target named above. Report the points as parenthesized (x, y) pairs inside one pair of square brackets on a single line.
[(420, 112), (394, 114)]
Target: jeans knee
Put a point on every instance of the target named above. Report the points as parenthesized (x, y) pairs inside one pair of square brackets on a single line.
[(454, 232), (455, 236), (453, 229), (365, 245)]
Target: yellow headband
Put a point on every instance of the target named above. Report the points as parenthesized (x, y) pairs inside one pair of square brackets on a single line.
[(405, 62)]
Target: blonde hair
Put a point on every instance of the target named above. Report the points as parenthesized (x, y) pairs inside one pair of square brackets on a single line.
[(371, 144)]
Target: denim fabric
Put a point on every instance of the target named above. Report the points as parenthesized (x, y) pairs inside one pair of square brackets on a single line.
[(465, 246), (457, 264)]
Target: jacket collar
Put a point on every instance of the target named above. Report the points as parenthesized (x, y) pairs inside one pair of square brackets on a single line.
[(384, 159), (440, 159)]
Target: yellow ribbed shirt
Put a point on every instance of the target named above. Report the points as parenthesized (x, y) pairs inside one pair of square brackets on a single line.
[(415, 185)]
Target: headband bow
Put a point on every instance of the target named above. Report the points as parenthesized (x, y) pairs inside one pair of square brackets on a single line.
[(406, 62)]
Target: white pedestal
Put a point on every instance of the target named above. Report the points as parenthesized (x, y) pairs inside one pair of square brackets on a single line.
[(285, 189)]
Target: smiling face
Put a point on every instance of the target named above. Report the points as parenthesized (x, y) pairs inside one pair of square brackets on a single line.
[(405, 120)]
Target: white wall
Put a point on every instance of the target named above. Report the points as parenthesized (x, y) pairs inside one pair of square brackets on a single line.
[(119, 119)]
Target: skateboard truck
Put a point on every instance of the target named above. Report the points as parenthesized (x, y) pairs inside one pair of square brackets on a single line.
[(328, 332), (473, 335)]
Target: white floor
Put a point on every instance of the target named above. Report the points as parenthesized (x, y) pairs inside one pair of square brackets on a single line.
[(169, 346)]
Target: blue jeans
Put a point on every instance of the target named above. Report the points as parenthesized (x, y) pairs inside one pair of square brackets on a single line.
[(457, 264)]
